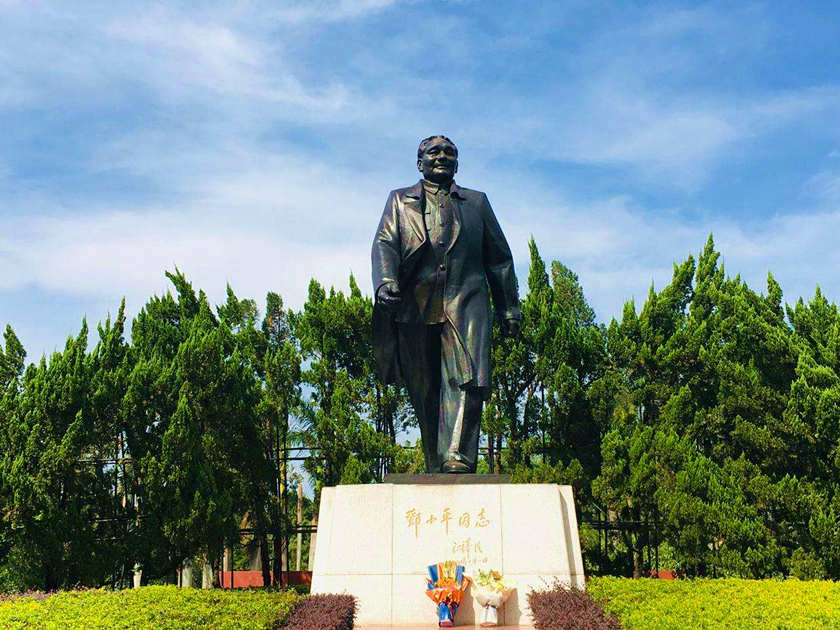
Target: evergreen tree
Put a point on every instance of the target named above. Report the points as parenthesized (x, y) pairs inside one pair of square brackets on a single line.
[(334, 333), (52, 484)]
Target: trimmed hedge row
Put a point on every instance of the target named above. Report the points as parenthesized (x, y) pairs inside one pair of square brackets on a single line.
[(159, 607), (568, 609), (322, 612), (644, 604), (734, 604)]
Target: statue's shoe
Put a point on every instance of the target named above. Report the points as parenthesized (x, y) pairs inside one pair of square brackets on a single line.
[(454, 466)]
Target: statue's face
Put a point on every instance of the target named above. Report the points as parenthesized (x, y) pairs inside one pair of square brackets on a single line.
[(439, 161)]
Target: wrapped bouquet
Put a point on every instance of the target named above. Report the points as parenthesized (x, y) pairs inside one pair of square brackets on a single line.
[(491, 591), (445, 586)]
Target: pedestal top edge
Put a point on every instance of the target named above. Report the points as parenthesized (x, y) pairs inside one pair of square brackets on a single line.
[(427, 485), (444, 479)]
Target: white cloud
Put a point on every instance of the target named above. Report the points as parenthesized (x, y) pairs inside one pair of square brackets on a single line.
[(679, 141), (675, 141), (271, 229), (206, 54), (825, 187), (237, 201), (127, 253), (179, 54), (619, 248), (330, 10), (267, 227), (669, 140)]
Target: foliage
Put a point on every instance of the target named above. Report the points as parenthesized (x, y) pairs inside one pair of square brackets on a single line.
[(165, 446), (723, 427), (705, 423), (54, 491), (200, 447), (409, 458), (562, 608), (322, 612), (539, 403), (348, 417), (160, 607), (722, 603)]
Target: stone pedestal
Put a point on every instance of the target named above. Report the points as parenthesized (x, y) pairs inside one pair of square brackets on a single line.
[(375, 542)]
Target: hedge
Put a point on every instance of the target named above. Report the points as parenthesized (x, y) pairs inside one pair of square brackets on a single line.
[(568, 609), (159, 607), (322, 612), (734, 604)]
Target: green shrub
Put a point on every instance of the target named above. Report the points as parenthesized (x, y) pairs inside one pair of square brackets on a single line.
[(731, 603), (805, 565), (159, 607)]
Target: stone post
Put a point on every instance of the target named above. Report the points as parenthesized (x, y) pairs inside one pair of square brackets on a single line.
[(206, 574), (227, 564), (312, 538), (138, 576), (254, 555), (186, 578)]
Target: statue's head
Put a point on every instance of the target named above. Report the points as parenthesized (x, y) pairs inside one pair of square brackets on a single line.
[(437, 159)]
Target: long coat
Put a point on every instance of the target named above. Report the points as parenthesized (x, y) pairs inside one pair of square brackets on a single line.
[(478, 256)]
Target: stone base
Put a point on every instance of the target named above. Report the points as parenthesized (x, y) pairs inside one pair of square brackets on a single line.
[(375, 542)]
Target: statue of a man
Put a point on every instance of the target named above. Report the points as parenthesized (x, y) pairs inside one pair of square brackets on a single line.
[(437, 248)]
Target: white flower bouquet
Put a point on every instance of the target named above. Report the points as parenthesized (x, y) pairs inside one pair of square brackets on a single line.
[(491, 590)]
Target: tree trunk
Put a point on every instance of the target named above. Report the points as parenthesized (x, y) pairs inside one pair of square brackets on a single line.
[(299, 522), (280, 520), (265, 562), (526, 429), (637, 568), (515, 443)]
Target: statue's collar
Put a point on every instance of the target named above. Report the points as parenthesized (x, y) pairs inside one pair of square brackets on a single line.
[(417, 190)]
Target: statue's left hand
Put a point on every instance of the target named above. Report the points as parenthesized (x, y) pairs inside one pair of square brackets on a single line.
[(510, 327)]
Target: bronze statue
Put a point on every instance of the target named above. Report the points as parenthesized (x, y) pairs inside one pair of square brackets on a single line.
[(437, 248)]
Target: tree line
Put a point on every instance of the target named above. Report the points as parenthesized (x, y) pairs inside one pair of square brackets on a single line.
[(713, 412)]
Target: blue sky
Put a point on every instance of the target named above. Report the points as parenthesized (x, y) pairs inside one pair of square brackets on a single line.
[(255, 142)]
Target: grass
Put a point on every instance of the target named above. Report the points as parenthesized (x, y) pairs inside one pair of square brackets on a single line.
[(733, 604), (159, 607)]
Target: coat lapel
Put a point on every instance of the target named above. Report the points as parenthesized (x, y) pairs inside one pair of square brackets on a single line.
[(456, 197), (413, 202)]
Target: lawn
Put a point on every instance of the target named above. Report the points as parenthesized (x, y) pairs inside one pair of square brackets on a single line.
[(732, 604), (159, 607)]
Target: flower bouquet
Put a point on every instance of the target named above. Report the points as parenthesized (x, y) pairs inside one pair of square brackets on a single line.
[(445, 586), (491, 591)]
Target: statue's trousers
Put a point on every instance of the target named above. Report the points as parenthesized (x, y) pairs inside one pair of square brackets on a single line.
[(449, 414)]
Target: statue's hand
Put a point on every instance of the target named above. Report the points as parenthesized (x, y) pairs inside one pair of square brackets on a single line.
[(510, 327), (389, 295)]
